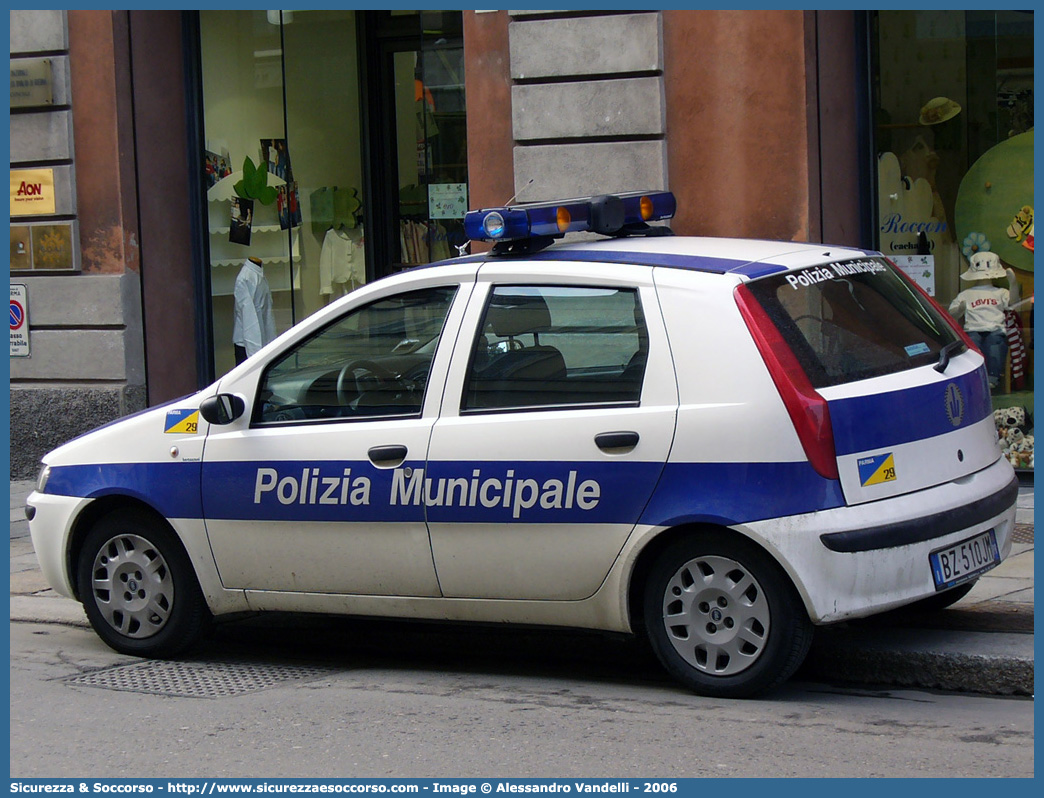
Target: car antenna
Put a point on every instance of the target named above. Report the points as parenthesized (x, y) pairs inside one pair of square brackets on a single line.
[(515, 196), (460, 249)]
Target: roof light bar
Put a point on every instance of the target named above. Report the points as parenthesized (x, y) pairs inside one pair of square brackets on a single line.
[(609, 214)]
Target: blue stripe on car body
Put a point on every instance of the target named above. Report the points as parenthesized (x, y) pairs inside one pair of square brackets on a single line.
[(755, 270), (326, 491), (713, 265), (734, 493), (172, 489), (863, 423), (669, 259)]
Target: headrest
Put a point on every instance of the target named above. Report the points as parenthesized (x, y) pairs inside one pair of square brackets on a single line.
[(515, 315)]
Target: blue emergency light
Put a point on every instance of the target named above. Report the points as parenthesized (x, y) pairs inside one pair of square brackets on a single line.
[(531, 226)]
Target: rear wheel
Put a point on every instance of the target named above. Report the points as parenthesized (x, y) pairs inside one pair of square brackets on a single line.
[(723, 618), (138, 587)]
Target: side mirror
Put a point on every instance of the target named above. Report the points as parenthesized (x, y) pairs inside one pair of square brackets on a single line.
[(222, 409)]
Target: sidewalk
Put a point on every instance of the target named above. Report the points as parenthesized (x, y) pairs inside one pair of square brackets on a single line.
[(982, 644)]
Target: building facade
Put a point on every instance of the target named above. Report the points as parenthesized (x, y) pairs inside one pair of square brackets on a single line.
[(337, 146)]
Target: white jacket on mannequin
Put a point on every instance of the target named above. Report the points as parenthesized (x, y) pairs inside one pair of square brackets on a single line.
[(253, 321)]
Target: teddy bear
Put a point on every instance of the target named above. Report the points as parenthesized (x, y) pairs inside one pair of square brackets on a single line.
[(1016, 446), (1025, 452), (1010, 417), (1021, 453)]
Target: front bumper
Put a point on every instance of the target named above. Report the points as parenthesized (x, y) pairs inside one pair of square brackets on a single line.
[(851, 562), (50, 528)]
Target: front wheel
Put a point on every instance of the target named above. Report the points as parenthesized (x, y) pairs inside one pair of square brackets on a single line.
[(723, 618), (138, 587)]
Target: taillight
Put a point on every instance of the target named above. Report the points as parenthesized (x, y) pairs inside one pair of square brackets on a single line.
[(808, 410), (957, 328)]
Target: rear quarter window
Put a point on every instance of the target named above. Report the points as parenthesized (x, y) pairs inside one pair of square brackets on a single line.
[(853, 320)]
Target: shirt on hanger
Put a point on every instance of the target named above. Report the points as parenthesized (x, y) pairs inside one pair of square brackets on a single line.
[(342, 259)]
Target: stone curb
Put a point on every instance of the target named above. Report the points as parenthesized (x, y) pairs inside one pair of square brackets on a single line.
[(919, 658), (41, 609), (994, 663)]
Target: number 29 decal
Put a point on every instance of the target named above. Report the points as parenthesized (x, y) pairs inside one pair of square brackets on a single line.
[(185, 422), (877, 469)]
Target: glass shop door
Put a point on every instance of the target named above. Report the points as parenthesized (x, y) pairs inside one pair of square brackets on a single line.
[(418, 129)]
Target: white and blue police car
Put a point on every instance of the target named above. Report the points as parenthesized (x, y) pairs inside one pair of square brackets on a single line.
[(719, 444)]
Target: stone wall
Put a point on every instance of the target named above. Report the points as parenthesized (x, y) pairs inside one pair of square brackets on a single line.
[(723, 108), (86, 361), (587, 103)]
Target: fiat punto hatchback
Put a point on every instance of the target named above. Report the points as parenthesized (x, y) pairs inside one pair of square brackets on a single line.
[(718, 444)]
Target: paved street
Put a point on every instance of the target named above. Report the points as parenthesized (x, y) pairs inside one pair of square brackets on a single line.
[(398, 700), (306, 696)]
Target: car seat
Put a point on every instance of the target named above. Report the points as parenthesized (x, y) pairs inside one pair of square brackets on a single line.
[(522, 375)]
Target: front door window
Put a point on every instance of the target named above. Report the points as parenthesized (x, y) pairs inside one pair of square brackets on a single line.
[(372, 362)]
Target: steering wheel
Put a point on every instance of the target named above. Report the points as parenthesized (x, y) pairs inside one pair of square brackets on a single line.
[(417, 377), (359, 376)]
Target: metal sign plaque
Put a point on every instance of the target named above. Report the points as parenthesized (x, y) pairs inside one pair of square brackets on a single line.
[(21, 248), (32, 192), (32, 82), (52, 246)]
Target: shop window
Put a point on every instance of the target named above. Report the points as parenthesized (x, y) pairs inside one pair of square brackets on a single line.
[(285, 173), (953, 129), (278, 88)]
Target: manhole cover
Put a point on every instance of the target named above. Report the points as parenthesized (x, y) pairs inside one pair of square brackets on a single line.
[(1023, 533), (196, 679)]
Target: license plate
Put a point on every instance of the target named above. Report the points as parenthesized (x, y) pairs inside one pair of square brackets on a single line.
[(965, 560)]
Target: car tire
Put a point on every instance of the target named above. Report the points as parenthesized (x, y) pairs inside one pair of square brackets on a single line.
[(723, 618), (940, 601), (137, 586)]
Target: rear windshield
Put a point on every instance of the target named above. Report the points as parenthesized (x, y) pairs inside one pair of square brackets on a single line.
[(853, 320)]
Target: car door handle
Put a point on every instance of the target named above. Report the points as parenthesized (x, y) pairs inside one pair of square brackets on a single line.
[(387, 456), (616, 440)]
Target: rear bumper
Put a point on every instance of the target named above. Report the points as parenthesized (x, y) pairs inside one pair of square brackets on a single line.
[(856, 561), (927, 528)]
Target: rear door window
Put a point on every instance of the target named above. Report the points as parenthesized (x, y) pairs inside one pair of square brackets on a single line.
[(558, 346), (853, 320)]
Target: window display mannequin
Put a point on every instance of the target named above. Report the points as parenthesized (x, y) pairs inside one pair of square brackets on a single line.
[(253, 323), (984, 305)]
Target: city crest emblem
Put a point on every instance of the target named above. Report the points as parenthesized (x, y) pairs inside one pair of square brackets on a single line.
[(954, 404)]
